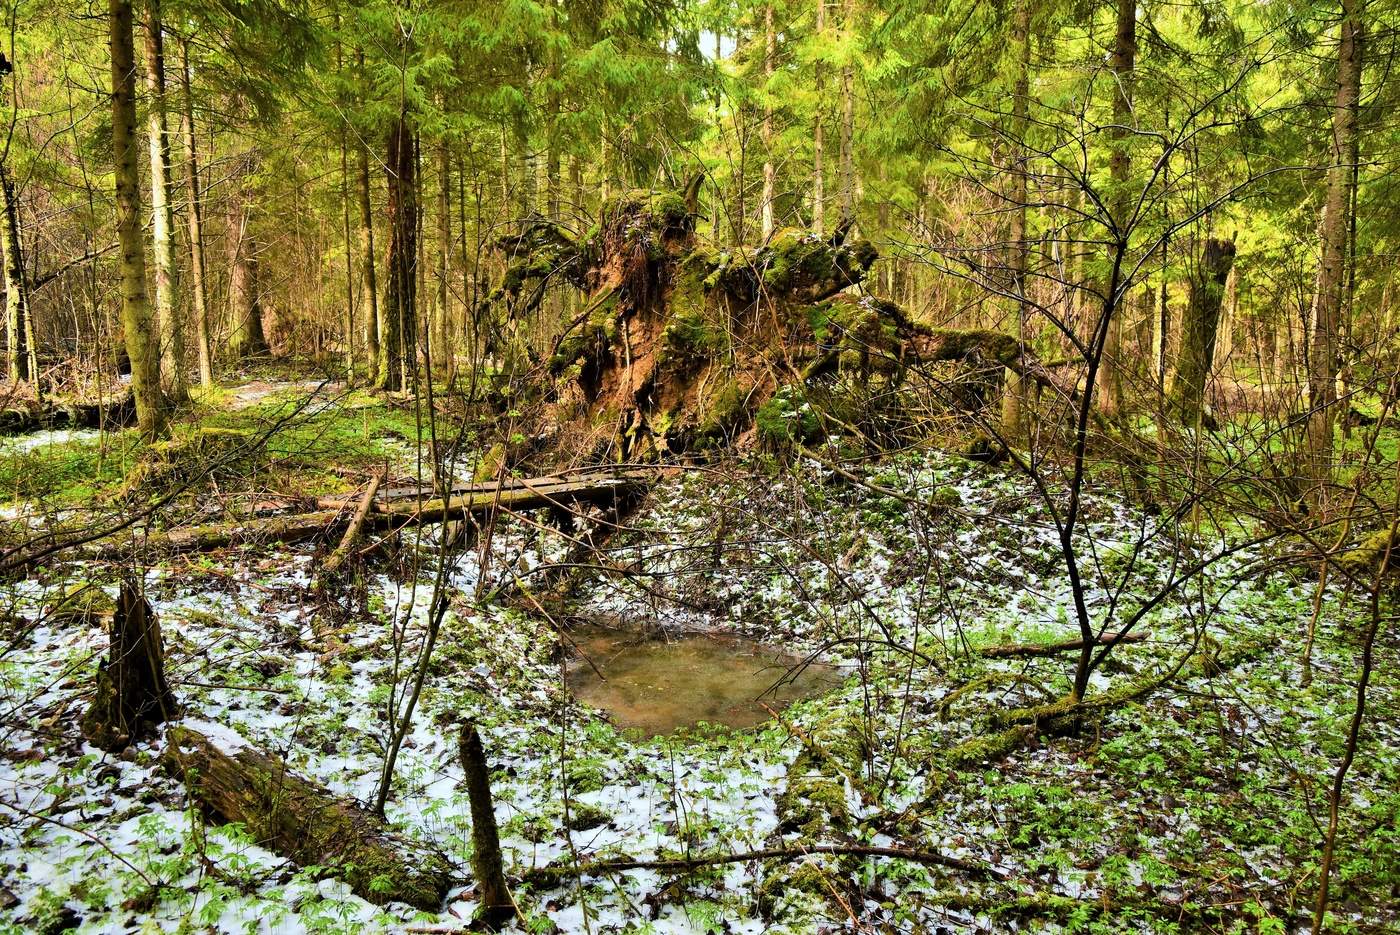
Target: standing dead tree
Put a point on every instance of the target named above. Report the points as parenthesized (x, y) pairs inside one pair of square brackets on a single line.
[(132, 694)]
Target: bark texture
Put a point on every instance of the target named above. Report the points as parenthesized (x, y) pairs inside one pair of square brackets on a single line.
[(488, 865), (1199, 327), (141, 347), (132, 695), (22, 363), (304, 821), (199, 291), (399, 327), (172, 331), (246, 336), (1333, 231)]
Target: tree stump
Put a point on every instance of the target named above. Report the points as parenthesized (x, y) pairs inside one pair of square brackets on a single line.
[(497, 907), (132, 694)]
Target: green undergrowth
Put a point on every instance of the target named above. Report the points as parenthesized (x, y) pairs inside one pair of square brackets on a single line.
[(278, 443)]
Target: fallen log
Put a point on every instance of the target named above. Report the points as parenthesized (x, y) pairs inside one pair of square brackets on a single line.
[(386, 517), (304, 821), (690, 864), (1032, 650), (357, 522), (59, 414)]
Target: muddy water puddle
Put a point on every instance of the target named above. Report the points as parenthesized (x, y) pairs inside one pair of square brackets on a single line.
[(655, 684)]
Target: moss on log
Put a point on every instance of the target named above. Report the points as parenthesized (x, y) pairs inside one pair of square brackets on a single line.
[(304, 821), (67, 414), (1364, 559)]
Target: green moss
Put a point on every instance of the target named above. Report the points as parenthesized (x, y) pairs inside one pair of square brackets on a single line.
[(84, 603), (990, 747), (724, 408), (795, 257), (807, 882), (592, 337), (787, 419)]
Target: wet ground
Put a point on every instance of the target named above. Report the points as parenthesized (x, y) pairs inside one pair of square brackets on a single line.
[(654, 683)]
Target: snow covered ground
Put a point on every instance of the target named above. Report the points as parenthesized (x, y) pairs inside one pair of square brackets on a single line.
[(1203, 795)]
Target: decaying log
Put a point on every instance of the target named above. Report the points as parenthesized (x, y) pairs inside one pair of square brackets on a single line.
[(1371, 554), (132, 694), (61, 414), (595, 487), (555, 872), (303, 820), (1030, 650), (357, 522), (497, 906)]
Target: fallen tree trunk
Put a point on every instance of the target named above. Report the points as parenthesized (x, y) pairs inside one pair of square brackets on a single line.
[(1031, 650), (67, 414), (357, 522), (691, 864), (593, 488), (304, 821)]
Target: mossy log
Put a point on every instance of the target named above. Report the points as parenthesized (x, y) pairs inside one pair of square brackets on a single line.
[(18, 419), (680, 344), (1032, 650), (1365, 559), (304, 821), (599, 487)]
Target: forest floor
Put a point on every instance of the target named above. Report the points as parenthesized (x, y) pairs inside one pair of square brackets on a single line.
[(1200, 807)]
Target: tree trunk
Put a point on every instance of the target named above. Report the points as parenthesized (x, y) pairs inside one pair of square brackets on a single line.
[(1013, 399), (1200, 325), (1331, 273), (497, 906), (444, 349), (199, 289), (1121, 65), (246, 338), (848, 122), (141, 344), (398, 361), (305, 821), (369, 282), (770, 170), (132, 695), (172, 331), (19, 329), (819, 134), (348, 238)]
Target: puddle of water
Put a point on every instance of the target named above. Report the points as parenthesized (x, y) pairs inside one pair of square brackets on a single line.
[(655, 685)]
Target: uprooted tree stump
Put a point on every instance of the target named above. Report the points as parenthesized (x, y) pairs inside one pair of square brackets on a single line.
[(683, 345), (132, 695), (304, 821)]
